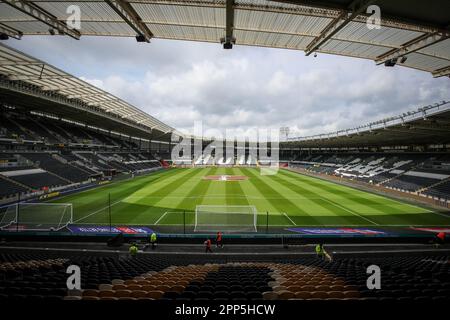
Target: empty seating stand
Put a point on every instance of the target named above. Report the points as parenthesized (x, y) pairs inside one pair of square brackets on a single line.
[(40, 180), (410, 183), (64, 170), (8, 188), (31, 275), (441, 191)]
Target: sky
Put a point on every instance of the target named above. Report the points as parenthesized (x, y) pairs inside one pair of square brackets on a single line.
[(243, 89)]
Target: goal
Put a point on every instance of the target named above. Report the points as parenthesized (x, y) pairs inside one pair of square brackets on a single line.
[(209, 218), (36, 216)]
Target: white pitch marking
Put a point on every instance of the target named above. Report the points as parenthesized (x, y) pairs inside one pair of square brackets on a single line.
[(284, 213), (97, 211), (354, 213), (162, 216)]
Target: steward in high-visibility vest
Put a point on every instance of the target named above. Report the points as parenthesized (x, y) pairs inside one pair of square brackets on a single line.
[(320, 251), (153, 240), (133, 250)]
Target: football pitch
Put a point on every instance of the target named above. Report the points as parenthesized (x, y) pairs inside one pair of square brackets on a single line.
[(288, 199)]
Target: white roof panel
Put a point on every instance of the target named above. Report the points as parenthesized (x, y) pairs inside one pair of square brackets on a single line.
[(17, 66), (256, 23)]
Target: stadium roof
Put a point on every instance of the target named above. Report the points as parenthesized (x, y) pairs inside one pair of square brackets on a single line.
[(428, 125), (415, 29), (16, 66)]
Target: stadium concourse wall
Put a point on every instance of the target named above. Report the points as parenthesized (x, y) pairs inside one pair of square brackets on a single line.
[(410, 197)]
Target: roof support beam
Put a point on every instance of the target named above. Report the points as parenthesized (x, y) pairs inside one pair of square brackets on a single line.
[(424, 128), (79, 96), (10, 32), (40, 14), (102, 102), (356, 8), (413, 46), (407, 132), (130, 16), (61, 88), (20, 63), (229, 25), (443, 72), (14, 77)]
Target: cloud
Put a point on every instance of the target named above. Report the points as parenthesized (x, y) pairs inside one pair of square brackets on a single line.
[(241, 89)]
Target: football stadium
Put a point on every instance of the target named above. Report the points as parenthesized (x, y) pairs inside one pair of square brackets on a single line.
[(335, 190)]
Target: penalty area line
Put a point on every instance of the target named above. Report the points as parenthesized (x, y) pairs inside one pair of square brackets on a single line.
[(161, 217), (97, 211), (284, 213), (350, 211)]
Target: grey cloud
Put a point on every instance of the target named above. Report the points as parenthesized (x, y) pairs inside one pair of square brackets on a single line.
[(244, 88)]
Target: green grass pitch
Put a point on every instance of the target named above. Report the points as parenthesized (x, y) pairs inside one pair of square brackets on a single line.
[(290, 198)]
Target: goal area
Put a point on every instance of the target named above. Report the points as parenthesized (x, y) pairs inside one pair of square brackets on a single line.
[(211, 218), (36, 216)]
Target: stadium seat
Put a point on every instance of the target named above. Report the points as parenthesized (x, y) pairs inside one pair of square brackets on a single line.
[(105, 287), (90, 293), (285, 295), (270, 295), (73, 298), (139, 294), (106, 293), (122, 293), (303, 295), (155, 294)]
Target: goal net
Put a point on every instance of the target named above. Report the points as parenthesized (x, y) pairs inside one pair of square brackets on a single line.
[(210, 218), (36, 216)]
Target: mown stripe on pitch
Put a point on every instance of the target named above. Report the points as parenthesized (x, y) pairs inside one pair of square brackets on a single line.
[(234, 187), (262, 187), (158, 208), (386, 212), (116, 188), (212, 185), (196, 195), (124, 211), (167, 185), (197, 190), (262, 203), (350, 195), (87, 202), (316, 199)]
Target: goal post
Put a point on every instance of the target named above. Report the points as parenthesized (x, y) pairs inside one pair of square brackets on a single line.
[(211, 218), (36, 216)]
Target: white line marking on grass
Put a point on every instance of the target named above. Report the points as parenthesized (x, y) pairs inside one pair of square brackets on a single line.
[(97, 211), (160, 218), (350, 211), (284, 213), (440, 214)]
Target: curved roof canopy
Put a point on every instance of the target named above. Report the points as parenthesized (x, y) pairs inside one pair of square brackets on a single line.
[(17, 66), (413, 33), (426, 125)]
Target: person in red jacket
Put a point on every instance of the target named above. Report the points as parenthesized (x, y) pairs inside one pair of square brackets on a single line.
[(208, 246), (219, 240), (440, 239)]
